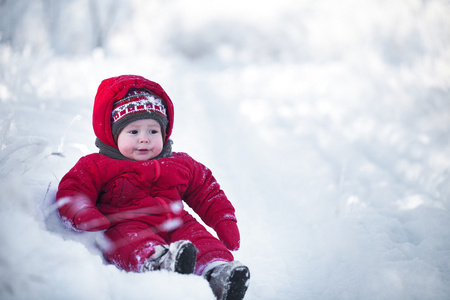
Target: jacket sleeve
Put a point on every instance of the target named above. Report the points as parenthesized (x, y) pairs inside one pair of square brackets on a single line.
[(206, 198), (77, 194)]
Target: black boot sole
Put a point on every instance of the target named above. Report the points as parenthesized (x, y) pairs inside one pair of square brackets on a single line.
[(185, 261), (237, 284)]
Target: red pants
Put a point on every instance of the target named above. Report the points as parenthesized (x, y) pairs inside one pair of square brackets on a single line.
[(132, 242)]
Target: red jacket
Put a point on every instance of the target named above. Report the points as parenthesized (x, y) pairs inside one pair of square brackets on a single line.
[(143, 190), (138, 190)]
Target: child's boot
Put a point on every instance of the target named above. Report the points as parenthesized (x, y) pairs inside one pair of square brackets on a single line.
[(229, 281), (177, 257)]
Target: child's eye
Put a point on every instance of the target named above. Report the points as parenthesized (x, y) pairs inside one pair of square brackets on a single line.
[(133, 131), (153, 131)]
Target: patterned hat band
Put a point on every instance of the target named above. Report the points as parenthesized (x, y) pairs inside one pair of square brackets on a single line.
[(137, 102)]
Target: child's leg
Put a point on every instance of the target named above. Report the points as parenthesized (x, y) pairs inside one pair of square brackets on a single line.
[(210, 249), (129, 244)]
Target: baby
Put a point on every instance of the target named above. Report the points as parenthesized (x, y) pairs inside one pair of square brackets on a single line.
[(134, 187)]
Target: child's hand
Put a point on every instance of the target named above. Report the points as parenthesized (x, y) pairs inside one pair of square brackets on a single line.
[(228, 233), (90, 219)]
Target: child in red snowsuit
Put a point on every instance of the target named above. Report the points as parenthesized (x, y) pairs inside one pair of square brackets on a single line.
[(134, 187)]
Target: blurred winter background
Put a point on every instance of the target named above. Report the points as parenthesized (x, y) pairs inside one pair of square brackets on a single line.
[(327, 124)]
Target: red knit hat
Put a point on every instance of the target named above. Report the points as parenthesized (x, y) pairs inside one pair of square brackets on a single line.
[(138, 105)]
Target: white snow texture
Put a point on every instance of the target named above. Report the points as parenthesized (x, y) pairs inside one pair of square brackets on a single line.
[(327, 124)]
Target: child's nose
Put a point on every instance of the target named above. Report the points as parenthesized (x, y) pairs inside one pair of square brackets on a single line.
[(144, 139)]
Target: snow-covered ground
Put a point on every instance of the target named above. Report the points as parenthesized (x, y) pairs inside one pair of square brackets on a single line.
[(327, 124)]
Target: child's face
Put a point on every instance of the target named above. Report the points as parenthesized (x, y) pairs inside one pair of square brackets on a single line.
[(141, 140)]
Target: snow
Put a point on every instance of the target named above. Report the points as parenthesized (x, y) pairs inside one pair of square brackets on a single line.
[(327, 124)]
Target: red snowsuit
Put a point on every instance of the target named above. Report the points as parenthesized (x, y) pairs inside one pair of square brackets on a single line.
[(138, 202)]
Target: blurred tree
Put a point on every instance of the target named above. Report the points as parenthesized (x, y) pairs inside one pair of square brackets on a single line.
[(62, 26)]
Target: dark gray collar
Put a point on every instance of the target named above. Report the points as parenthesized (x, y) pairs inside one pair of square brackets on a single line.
[(114, 152)]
